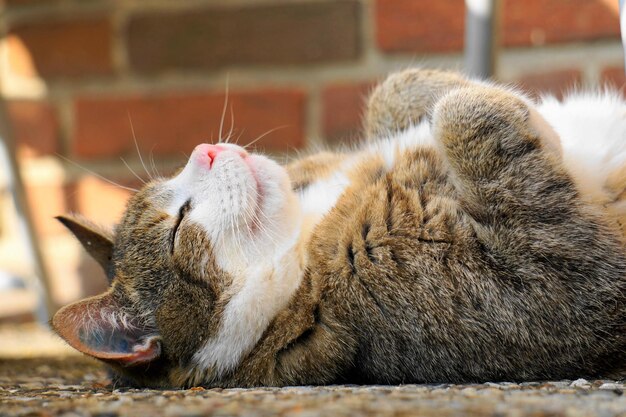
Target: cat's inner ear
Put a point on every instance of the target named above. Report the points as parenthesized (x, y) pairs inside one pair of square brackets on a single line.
[(99, 327), (96, 241)]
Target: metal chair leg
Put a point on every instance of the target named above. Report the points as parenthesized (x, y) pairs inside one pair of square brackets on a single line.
[(8, 160)]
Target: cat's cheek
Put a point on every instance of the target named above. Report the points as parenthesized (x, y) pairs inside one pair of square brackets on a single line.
[(193, 254), (269, 171), (183, 300), (278, 196)]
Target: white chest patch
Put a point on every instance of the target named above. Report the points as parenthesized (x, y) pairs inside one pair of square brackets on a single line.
[(255, 302), (320, 196), (411, 138), (592, 129)]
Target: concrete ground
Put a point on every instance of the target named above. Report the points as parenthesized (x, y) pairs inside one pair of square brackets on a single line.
[(39, 376)]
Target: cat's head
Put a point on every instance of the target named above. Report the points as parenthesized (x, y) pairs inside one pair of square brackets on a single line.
[(199, 265)]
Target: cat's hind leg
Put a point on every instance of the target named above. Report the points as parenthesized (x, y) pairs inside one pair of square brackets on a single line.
[(406, 98)]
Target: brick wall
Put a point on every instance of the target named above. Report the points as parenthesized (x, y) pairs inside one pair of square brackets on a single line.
[(77, 73)]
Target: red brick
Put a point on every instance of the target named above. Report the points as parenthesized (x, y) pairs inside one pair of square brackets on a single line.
[(550, 21), (174, 123), (66, 48), (99, 200), (35, 127), (93, 197), (550, 82), (343, 109), (12, 3), (281, 34), (47, 200), (615, 77), (438, 26), (419, 26)]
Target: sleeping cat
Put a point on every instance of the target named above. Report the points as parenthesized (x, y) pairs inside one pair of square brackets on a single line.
[(475, 236)]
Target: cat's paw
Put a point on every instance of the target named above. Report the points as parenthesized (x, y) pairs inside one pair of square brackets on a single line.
[(406, 97), (488, 121)]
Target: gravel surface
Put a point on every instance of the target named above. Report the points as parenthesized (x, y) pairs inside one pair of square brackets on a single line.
[(65, 384)]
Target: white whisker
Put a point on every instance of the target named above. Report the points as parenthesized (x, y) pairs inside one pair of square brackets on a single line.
[(132, 171), (76, 164), (132, 129), (155, 171), (232, 124), (248, 228), (240, 135), (273, 235), (224, 110), (267, 231), (258, 138)]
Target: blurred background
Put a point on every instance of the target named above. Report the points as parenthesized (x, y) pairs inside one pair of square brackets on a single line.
[(74, 74)]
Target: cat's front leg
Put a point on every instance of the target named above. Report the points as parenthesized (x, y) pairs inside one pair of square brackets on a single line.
[(541, 242)]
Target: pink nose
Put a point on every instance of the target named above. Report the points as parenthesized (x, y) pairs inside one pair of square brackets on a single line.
[(212, 151), (206, 153)]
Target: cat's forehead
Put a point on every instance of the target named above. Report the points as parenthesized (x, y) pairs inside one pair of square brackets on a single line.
[(145, 213), (152, 199)]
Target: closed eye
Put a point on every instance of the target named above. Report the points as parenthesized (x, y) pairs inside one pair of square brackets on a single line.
[(181, 215)]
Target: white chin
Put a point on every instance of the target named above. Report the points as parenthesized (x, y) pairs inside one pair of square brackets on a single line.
[(278, 211), (272, 186), (245, 206)]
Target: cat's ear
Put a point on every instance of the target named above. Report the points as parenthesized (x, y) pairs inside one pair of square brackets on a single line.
[(99, 327), (96, 241)]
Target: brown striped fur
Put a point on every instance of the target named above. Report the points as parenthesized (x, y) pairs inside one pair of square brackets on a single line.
[(473, 260)]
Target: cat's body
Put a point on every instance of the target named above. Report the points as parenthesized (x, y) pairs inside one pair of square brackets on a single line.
[(454, 246)]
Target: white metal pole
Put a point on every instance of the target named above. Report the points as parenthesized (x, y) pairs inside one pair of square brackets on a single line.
[(481, 33), (622, 23)]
